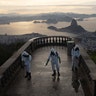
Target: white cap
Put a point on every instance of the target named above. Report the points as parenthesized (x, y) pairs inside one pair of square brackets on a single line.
[(25, 53), (52, 50), (76, 46)]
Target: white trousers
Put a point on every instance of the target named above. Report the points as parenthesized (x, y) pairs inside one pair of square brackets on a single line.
[(55, 66), (28, 68)]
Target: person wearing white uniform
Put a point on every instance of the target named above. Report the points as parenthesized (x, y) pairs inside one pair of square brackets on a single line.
[(26, 58), (75, 67), (55, 60), (75, 53)]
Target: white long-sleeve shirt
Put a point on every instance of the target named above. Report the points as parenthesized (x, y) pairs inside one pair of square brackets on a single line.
[(54, 58), (75, 57), (75, 53)]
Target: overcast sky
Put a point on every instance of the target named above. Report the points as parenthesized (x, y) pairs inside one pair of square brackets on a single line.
[(46, 2)]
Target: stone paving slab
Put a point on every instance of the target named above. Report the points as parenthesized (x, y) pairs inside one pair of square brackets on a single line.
[(42, 83)]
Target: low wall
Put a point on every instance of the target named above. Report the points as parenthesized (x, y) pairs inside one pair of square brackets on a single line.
[(10, 68), (88, 74)]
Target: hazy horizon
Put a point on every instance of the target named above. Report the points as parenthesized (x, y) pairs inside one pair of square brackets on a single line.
[(46, 2), (29, 27), (81, 9)]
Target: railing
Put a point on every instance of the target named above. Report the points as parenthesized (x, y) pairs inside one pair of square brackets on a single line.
[(10, 68), (88, 74)]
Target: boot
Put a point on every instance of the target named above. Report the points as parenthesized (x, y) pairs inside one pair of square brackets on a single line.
[(29, 76), (26, 75), (54, 73), (58, 74)]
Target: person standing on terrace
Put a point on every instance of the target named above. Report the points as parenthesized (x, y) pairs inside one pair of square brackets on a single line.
[(75, 53), (75, 67), (55, 60), (26, 59)]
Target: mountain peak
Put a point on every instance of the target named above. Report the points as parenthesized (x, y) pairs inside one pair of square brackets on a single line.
[(74, 22)]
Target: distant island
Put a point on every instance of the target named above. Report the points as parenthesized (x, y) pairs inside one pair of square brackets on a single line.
[(73, 28), (48, 18), (49, 21)]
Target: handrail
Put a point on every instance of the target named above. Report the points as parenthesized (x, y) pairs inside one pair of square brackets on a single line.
[(10, 68), (87, 67), (88, 73)]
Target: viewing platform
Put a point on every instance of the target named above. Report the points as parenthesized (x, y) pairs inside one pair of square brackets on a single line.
[(42, 83), (13, 83)]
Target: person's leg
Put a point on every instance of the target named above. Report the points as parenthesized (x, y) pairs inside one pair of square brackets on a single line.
[(53, 69), (29, 72), (26, 74), (29, 75), (58, 70)]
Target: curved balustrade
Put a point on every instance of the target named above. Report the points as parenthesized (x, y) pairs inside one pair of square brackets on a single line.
[(11, 67)]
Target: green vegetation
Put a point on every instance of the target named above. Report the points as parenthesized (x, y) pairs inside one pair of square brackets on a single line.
[(8, 50), (92, 55)]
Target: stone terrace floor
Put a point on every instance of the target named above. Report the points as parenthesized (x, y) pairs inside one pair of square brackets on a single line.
[(42, 83)]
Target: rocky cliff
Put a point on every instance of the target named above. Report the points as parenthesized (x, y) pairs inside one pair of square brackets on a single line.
[(73, 28)]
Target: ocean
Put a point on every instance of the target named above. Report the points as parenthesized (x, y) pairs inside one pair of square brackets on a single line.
[(19, 28)]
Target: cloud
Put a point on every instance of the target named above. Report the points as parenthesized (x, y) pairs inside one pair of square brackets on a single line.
[(47, 2), (90, 2)]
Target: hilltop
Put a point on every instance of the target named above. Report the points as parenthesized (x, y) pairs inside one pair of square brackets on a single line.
[(87, 39), (73, 28), (9, 39), (49, 17)]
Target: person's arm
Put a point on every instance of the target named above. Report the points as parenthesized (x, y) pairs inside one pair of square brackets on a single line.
[(72, 52), (58, 57), (79, 61), (22, 59), (30, 58), (78, 53), (48, 60)]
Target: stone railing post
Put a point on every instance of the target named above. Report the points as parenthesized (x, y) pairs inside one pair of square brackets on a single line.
[(70, 45)]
